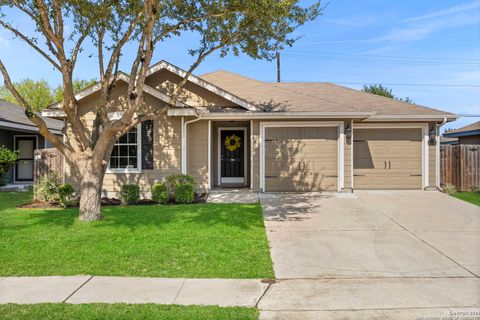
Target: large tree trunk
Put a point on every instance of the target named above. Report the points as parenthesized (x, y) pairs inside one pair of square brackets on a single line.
[(91, 192)]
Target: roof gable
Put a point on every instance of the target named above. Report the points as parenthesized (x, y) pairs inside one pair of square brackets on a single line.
[(164, 65)]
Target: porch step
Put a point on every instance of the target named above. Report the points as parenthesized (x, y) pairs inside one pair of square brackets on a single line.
[(246, 196)]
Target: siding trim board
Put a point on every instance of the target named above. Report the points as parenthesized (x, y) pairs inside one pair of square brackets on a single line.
[(425, 145), (300, 124)]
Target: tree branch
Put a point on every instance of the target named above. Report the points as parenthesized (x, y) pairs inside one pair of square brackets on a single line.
[(32, 116), (30, 43)]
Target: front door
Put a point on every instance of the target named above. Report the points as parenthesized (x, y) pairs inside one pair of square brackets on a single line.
[(232, 156), (24, 166)]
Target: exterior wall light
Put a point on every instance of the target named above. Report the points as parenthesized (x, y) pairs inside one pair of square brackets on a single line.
[(432, 135), (348, 132)]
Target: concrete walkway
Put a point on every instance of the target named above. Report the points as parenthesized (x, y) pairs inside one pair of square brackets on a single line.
[(89, 289)]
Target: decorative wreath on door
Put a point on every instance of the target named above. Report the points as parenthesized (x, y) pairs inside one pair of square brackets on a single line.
[(233, 142)]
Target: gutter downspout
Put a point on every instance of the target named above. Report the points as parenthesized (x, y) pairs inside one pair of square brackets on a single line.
[(437, 154), (184, 141)]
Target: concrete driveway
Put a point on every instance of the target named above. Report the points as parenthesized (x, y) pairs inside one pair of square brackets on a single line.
[(372, 254)]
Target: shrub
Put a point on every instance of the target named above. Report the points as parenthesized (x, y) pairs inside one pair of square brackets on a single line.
[(160, 193), (449, 189), (7, 160), (46, 189), (66, 195), (184, 193), (173, 180), (130, 194)]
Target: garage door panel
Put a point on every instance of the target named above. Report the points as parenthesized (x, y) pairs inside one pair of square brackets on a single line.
[(387, 158), (301, 159)]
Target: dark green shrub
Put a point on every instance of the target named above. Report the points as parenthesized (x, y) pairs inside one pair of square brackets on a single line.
[(7, 160), (130, 194), (184, 193), (46, 189), (66, 195), (175, 179), (160, 193)]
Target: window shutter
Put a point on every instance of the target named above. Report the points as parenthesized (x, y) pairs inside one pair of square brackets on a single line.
[(147, 145)]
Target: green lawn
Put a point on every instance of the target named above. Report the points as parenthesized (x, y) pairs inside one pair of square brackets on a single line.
[(472, 197), (123, 311), (200, 240)]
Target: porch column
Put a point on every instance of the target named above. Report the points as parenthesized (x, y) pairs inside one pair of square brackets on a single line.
[(184, 146), (209, 165)]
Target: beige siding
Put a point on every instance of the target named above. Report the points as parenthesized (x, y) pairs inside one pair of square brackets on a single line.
[(197, 153), (167, 160), (167, 147), (193, 95), (432, 165)]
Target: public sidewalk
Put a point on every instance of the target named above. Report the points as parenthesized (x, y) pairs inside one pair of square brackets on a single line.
[(93, 289)]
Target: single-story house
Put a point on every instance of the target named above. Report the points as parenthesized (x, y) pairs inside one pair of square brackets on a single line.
[(229, 130), (465, 135), (18, 133)]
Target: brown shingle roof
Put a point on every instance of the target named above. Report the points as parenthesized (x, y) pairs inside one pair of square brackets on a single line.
[(313, 97)]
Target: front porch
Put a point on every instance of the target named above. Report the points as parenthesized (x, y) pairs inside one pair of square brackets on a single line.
[(219, 154)]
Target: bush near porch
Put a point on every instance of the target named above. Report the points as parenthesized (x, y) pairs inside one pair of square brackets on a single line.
[(196, 240)]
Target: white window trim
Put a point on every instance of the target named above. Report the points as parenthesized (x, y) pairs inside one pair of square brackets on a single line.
[(340, 145), (219, 153), (139, 157), (423, 126)]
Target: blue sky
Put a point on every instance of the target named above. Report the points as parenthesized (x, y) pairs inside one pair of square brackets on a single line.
[(372, 41)]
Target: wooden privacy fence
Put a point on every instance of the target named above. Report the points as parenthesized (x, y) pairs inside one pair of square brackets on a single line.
[(460, 166), (46, 161)]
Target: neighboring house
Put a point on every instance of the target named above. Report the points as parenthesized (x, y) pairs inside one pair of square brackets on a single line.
[(18, 133), (232, 131), (465, 135)]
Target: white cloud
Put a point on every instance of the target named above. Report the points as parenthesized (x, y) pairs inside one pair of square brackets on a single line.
[(419, 27), (418, 31), (446, 12)]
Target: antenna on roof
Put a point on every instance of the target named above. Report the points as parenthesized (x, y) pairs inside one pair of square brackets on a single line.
[(278, 66)]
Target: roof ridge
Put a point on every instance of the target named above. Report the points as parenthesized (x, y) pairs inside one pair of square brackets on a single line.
[(233, 73)]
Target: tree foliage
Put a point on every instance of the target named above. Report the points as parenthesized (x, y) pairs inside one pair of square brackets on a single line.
[(381, 90), (39, 94)]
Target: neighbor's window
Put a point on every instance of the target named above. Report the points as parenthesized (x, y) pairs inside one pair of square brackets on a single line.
[(126, 152)]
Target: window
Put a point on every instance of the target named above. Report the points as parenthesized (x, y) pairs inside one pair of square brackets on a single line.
[(126, 152)]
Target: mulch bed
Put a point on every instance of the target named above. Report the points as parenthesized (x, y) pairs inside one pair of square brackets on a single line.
[(199, 198)]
